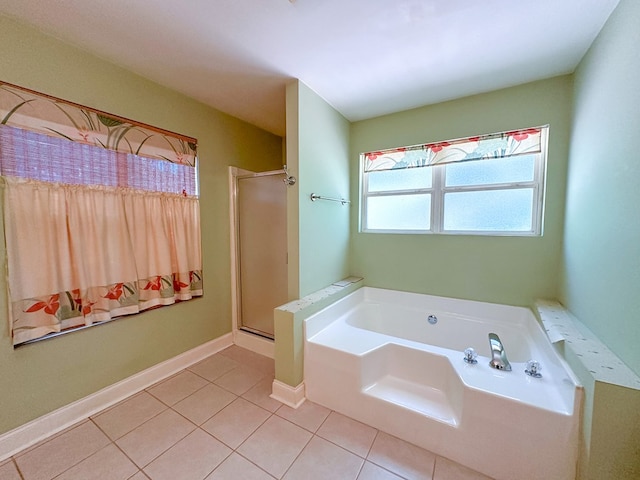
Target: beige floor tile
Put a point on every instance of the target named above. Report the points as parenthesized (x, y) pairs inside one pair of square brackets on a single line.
[(204, 404), (236, 422), (275, 445), (449, 470), (260, 395), (371, 471), (240, 379), (348, 433), (309, 415), (154, 437), (214, 367), (250, 359), (107, 464), (402, 458), (321, 460), (129, 414), (157, 430), (62, 452), (236, 467), (192, 458), (178, 387), (8, 471)]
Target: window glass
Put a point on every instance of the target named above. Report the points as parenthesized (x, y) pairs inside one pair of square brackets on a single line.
[(485, 210), (491, 171), (399, 179), (399, 212)]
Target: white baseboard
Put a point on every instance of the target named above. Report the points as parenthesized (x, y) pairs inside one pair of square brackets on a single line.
[(291, 396), (30, 433)]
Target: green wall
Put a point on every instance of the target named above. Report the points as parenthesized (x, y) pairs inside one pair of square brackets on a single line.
[(323, 169), (39, 378), (600, 281), (508, 270), (601, 277), (318, 232)]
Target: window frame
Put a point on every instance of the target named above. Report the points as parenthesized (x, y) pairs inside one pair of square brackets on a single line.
[(438, 190)]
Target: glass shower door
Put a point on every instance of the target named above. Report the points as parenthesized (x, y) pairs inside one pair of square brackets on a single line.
[(262, 250)]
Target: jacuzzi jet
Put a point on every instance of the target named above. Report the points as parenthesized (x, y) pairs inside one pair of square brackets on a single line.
[(432, 319)]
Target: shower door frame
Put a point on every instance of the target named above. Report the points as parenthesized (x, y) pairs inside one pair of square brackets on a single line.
[(256, 343)]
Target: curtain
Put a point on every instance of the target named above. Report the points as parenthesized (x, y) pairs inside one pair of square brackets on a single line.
[(101, 214), (81, 255), (495, 145)]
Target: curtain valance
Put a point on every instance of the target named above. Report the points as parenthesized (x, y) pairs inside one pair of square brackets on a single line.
[(52, 116), (496, 145)]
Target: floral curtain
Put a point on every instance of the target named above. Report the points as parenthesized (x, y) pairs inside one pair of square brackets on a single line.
[(497, 145), (26, 109), (94, 229), (78, 256)]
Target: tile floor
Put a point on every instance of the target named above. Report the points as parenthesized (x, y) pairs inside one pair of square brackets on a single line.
[(216, 421)]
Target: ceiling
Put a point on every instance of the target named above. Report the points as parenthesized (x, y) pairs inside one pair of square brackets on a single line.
[(364, 57)]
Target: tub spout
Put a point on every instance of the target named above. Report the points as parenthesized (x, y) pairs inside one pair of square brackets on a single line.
[(498, 355)]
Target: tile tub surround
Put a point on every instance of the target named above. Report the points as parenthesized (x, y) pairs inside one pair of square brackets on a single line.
[(611, 413), (216, 421)]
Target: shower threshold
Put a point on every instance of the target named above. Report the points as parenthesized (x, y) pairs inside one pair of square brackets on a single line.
[(258, 333)]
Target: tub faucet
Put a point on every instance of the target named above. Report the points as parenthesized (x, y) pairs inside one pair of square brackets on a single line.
[(499, 357)]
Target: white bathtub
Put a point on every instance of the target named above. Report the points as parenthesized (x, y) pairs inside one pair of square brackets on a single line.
[(373, 356)]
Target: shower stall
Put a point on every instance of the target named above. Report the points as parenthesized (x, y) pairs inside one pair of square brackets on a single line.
[(259, 250)]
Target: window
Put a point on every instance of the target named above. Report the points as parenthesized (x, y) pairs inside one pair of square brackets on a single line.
[(488, 185), (101, 215)]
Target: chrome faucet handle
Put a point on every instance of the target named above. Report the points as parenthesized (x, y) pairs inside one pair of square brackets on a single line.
[(533, 369), (470, 356)]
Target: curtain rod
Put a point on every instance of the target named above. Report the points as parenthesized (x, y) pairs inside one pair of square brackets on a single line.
[(159, 130)]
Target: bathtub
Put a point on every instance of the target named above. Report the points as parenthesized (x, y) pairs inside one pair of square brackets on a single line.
[(375, 357)]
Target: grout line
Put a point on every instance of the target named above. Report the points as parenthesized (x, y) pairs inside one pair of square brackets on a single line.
[(375, 437), (15, 464), (88, 456), (140, 471), (250, 461), (433, 472), (235, 450), (300, 452), (49, 438), (340, 446), (113, 442), (220, 441), (170, 446)]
